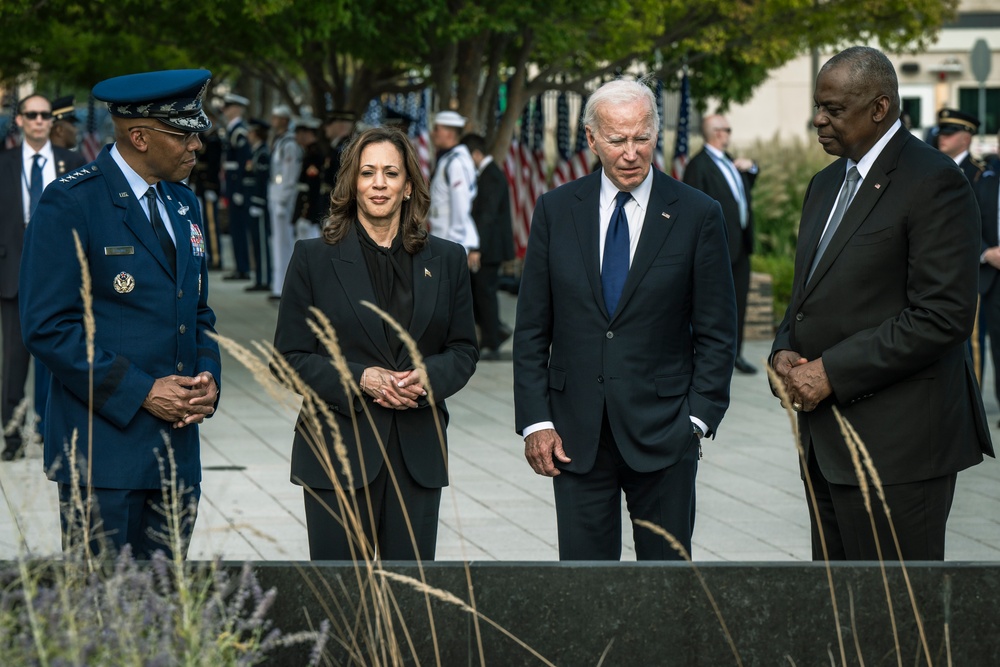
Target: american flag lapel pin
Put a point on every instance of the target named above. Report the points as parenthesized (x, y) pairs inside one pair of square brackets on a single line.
[(878, 185), (665, 215), (427, 272)]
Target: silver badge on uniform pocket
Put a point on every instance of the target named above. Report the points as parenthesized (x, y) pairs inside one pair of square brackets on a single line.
[(124, 283)]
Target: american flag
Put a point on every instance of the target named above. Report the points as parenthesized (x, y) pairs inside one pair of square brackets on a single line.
[(416, 107), (539, 180), (91, 144), (562, 172), (658, 160), (683, 118), (517, 166), (579, 162)]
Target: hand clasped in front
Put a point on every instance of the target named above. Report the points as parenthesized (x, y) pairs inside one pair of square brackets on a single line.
[(806, 382)]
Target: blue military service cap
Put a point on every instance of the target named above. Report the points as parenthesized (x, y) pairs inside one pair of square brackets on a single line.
[(173, 97)]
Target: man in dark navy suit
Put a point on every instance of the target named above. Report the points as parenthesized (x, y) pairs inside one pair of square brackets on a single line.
[(625, 337), (237, 153), (147, 373), (37, 158)]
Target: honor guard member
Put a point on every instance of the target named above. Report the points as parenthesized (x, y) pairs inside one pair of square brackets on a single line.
[(453, 186), (25, 172), (338, 126), (954, 136), (282, 193), (311, 208), (236, 153), (206, 185), (134, 367), (64, 122), (255, 178)]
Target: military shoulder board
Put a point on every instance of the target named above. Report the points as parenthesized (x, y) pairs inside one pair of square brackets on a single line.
[(80, 175)]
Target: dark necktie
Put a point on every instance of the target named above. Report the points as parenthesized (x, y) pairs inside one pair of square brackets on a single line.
[(36, 185), (161, 232), (614, 269), (843, 201)]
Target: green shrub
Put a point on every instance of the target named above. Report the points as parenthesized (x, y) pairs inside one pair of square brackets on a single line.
[(785, 171)]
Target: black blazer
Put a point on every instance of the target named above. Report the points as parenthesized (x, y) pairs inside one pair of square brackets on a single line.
[(889, 309), (335, 280), (12, 211), (491, 211), (986, 192), (572, 361), (702, 173)]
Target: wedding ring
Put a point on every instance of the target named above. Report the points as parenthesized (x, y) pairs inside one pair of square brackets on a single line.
[(796, 406)]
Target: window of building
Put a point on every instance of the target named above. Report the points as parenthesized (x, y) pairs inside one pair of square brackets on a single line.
[(968, 102)]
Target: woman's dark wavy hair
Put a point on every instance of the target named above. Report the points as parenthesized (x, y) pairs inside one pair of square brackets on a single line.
[(344, 198)]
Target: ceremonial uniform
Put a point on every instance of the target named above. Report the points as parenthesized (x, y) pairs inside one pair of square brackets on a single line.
[(282, 193), (311, 207), (453, 184), (236, 154), (205, 183), (256, 174), (151, 319)]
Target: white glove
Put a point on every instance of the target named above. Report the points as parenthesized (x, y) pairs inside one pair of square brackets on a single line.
[(237, 199), (256, 212), (211, 196)]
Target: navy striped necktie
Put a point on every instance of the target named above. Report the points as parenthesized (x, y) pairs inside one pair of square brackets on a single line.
[(614, 269)]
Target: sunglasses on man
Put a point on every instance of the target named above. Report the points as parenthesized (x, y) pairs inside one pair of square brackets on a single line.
[(32, 115)]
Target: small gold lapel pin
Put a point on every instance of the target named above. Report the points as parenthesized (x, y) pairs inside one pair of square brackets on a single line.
[(665, 215), (427, 273)]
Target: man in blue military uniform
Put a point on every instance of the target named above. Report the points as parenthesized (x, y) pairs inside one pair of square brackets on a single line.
[(256, 173), (236, 154), (146, 373)]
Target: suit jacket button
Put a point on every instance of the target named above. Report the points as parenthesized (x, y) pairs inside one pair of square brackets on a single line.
[(180, 294), (799, 317), (180, 366), (182, 328), (609, 335), (600, 378)]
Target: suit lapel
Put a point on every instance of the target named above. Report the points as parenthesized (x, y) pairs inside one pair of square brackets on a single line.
[(874, 185), (352, 272), (135, 217), (427, 273), (587, 222), (661, 215)]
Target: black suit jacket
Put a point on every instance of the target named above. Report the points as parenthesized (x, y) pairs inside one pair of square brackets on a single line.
[(491, 212), (12, 211), (572, 361), (889, 309), (702, 173), (986, 193), (335, 280)]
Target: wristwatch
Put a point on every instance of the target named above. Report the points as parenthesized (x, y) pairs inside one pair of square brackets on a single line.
[(697, 430)]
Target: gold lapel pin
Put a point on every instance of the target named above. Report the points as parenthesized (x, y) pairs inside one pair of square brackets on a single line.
[(427, 273)]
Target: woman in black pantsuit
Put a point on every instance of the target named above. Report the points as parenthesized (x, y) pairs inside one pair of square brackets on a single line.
[(375, 249)]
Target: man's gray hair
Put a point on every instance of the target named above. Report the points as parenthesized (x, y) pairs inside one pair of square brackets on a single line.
[(621, 91), (870, 71)]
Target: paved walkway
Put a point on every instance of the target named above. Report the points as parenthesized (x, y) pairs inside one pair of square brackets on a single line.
[(751, 504)]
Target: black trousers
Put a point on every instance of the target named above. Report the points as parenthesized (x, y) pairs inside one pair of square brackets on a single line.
[(741, 281), (128, 516), (485, 283), (16, 361), (380, 512), (919, 514), (260, 246), (989, 324), (588, 506)]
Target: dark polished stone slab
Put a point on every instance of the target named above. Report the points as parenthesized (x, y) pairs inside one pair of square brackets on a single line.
[(653, 614)]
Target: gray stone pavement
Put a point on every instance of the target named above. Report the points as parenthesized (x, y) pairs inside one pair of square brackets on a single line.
[(751, 503)]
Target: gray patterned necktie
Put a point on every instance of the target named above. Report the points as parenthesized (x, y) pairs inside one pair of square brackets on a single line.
[(843, 201)]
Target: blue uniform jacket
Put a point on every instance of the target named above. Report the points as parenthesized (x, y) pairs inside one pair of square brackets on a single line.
[(151, 321)]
